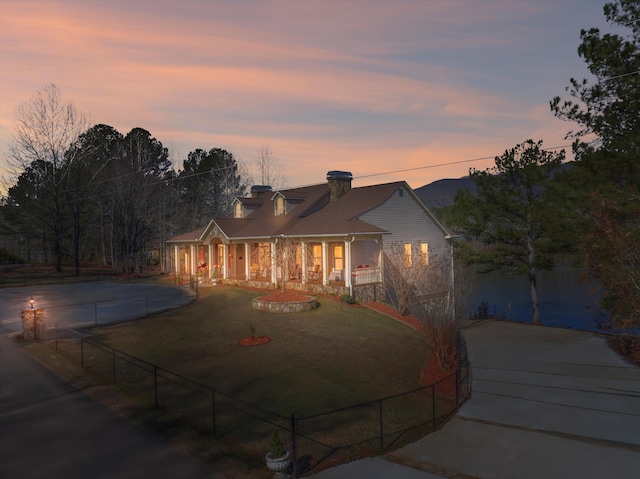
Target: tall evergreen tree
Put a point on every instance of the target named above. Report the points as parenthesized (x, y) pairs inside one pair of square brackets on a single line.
[(605, 182), (208, 184), (509, 216)]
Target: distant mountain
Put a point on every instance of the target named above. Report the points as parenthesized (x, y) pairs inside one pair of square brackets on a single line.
[(440, 193)]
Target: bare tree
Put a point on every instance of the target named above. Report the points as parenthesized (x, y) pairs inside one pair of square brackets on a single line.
[(45, 129), (427, 291), (287, 260), (268, 166)]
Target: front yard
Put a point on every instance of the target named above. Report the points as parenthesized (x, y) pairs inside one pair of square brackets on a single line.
[(335, 356)]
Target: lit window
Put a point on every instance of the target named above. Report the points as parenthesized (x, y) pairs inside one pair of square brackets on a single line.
[(338, 257), (407, 254), (238, 210), (279, 206), (424, 253)]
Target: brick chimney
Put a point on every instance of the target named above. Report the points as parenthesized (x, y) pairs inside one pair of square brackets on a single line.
[(257, 190), (339, 183)]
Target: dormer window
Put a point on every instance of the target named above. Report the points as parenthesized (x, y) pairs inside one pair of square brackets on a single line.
[(237, 210), (279, 206)]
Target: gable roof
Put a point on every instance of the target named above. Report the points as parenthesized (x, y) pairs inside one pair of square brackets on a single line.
[(194, 235), (310, 214)]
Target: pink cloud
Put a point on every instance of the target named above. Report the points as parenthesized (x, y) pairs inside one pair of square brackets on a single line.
[(371, 86)]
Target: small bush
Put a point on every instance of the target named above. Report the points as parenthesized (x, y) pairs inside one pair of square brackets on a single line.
[(347, 298), (276, 447)]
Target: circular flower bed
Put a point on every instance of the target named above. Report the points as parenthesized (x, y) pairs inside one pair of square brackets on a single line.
[(287, 302)]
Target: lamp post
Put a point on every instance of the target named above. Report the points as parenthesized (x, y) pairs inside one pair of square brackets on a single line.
[(30, 319)]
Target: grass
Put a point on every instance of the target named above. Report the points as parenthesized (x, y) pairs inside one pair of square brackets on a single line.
[(332, 357), (335, 356)]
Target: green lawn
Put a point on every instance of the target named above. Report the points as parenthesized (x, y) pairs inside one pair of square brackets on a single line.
[(331, 357)]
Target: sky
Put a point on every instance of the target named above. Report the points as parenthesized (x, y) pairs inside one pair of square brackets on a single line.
[(414, 90)]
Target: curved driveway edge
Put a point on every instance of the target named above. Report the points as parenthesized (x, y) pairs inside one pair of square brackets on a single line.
[(90, 304), (545, 402)]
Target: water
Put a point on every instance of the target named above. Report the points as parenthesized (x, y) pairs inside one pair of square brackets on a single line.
[(564, 300)]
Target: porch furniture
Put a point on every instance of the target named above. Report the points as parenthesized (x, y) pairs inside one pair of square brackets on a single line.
[(255, 270), (335, 275), (296, 273), (314, 274)]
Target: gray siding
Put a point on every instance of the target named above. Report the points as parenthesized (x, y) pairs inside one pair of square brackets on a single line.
[(408, 222), (364, 252)]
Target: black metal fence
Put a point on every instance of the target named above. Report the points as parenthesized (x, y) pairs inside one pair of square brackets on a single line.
[(315, 442)]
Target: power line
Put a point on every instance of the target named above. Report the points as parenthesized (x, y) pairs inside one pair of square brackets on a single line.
[(447, 164)]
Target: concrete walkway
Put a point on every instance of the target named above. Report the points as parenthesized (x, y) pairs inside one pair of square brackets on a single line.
[(545, 402)]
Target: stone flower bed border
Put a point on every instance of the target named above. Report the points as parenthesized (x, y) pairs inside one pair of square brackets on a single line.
[(284, 303)]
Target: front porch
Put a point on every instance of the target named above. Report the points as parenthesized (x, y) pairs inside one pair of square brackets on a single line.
[(315, 267), (363, 293)]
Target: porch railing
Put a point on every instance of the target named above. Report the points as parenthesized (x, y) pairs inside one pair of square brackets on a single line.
[(366, 275)]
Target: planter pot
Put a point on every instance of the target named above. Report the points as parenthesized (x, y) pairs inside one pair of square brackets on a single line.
[(277, 464)]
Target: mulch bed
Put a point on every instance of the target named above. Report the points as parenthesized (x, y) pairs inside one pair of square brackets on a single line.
[(286, 297), (254, 340)]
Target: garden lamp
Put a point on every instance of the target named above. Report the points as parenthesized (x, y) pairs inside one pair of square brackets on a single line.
[(31, 301)]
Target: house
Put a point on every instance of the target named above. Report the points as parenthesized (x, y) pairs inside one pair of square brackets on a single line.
[(328, 238)]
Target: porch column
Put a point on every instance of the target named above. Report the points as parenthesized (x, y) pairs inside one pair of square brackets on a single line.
[(347, 263), (225, 261), (303, 246), (176, 259), (325, 262), (274, 274), (381, 259), (211, 263), (247, 261), (194, 258)]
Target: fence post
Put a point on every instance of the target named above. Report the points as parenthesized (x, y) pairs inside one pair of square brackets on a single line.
[(459, 359), (381, 428), (155, 383), (433, 404), (294, 449)]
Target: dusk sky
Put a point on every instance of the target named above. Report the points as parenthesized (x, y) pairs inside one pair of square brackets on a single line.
[(366, 86)]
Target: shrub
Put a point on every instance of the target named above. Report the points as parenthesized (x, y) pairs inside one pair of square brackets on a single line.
[(347, 298), (276, 447)]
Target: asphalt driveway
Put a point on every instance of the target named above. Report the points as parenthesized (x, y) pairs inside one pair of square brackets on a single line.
[(89, 303)]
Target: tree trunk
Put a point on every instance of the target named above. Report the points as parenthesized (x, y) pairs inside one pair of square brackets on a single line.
[(534, 298)]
